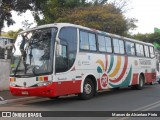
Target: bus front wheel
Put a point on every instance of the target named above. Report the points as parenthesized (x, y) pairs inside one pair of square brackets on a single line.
[(88, 89)]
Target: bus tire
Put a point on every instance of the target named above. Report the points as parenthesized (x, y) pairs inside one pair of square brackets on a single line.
[(88, 90), (52, 98), (151, 83), (140, 83)]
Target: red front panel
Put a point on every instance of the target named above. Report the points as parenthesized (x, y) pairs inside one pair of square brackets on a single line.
[(54, 89)]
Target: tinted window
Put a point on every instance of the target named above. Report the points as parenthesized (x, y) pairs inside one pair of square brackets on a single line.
[(87, 41), (68, 49), (92, 41), (118, 46), (104, 44), (84, 42), (146, 50), (151, 49), (108, 44), (130, 48), (139, 50)]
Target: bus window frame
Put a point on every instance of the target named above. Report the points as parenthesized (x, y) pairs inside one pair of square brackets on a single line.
[(111, 43), (148, 51), (123, 44), (60, 43), (153, 52), (88, 50), (134, 48)]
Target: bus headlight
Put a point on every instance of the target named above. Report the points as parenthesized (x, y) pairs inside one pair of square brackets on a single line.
[(12, 84), (44, 83)]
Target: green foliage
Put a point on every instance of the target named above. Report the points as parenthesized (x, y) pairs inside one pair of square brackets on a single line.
[(20, 6), (106, 18), (149, 37), (51, 10), (97, 14), (12, 34), (153, 38)]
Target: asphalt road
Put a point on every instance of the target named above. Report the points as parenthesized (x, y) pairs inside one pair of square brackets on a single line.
[(124, 99)]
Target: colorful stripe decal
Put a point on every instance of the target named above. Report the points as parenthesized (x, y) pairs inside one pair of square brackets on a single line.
[(101, 63), (125, 82), (123, 72), (117, 67), (106, 57), (111, 63)]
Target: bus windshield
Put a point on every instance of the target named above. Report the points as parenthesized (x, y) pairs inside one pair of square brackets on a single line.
[(33, 53)]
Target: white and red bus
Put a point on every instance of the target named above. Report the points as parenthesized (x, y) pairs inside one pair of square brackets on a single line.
[(61, 59)]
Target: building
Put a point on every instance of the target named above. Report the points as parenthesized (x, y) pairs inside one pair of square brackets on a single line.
[(5, 41), (6, 45)]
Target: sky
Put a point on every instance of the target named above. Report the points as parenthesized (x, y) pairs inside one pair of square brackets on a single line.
[(145, 11)]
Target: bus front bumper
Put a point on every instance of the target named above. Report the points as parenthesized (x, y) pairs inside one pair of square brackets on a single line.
[(43, 91)]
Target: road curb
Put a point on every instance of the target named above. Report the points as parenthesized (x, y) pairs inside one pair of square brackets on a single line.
[(17, 100)]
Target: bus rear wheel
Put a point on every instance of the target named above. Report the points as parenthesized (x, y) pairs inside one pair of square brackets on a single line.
[(88, 89), (141, 83)]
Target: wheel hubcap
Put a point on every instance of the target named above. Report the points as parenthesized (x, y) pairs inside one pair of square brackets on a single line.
[(87, 88), (141, 82)]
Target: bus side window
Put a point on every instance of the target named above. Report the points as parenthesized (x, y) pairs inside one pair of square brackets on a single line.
[(142, 50), (87, 41), (67, 49), (118, 46), (130, 48), (92, 41), (151, 49), (146, 51), (61, 58), (84, 42), (104, 44), (139, 50)]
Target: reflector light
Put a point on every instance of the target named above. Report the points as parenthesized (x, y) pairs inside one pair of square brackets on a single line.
[(43, 78), (46, 78), (12, 79)]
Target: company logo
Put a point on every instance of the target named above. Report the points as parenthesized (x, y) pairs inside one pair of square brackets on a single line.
[(104, 80), (21, 114), (6, 114)]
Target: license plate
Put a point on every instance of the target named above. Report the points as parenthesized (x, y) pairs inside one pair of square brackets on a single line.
[(24, 92)]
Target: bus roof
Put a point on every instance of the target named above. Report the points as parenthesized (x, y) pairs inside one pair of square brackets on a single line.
[(59, 25)]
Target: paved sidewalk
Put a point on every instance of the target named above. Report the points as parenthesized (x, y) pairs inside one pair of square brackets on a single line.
[(7, 95)]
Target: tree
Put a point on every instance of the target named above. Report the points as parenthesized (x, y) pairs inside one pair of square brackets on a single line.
[(99, 2), (105, 18), (12, 34), (97, 14), (7, 6), (148, 37), (51, 10)]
